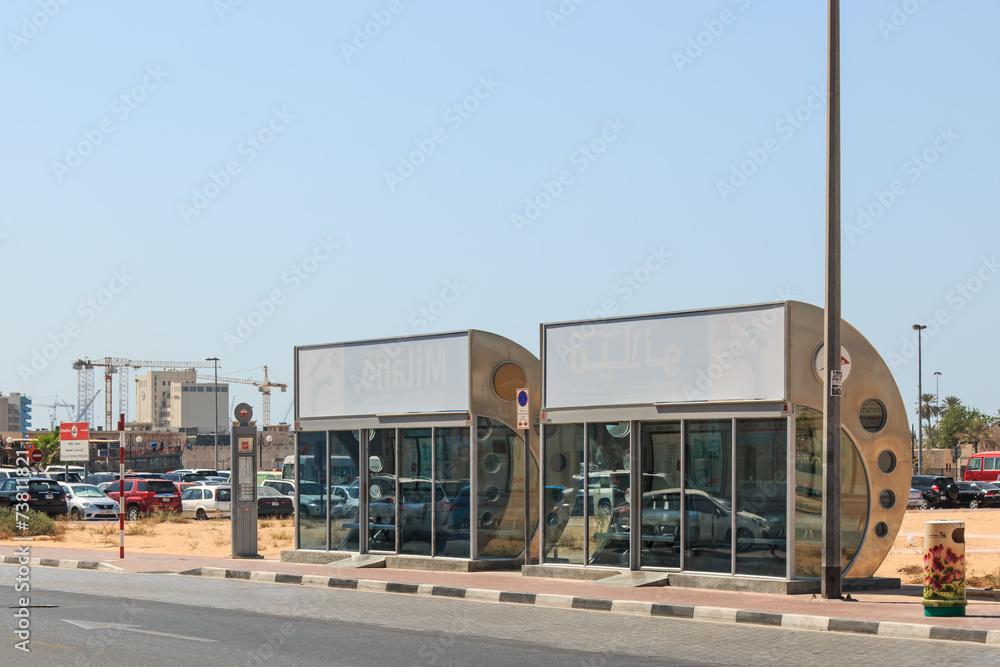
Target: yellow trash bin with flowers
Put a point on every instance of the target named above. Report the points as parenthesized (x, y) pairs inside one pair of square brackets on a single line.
[(944, 568)]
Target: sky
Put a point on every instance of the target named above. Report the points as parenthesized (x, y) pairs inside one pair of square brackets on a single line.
[(231, 178)]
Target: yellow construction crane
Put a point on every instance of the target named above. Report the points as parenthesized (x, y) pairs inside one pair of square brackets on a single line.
[(263, 387), (85, 380)]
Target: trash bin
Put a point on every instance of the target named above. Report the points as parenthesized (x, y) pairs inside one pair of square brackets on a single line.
[(944, 568)]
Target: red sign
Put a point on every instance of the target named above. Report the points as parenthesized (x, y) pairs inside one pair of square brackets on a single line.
[(36, 456), (74, 431)]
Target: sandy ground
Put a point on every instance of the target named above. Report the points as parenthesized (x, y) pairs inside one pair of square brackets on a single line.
[(212, 538), (206, 538), (982, 531)]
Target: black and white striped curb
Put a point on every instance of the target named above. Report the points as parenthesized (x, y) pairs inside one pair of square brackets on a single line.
[(799, 621), (61, 562)]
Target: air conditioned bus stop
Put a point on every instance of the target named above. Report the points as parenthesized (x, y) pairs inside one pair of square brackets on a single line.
[(406, 448), (691, 443)]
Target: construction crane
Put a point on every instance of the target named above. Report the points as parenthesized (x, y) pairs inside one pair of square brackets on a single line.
[(57, 403), (85, 381), (263, 387)]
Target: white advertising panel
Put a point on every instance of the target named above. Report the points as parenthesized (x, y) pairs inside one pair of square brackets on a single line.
[(394, 376), (731, 355), (74, 450)]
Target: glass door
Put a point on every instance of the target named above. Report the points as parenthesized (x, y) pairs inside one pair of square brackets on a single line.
[(659, 503), (381, 495)]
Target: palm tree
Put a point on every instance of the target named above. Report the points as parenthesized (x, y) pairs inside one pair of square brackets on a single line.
[(927, 409), (949, 402), (977, 433)]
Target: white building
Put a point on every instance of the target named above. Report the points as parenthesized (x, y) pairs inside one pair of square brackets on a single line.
[(175, 399)]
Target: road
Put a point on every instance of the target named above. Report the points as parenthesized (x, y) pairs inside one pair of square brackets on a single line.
[(162, 619)]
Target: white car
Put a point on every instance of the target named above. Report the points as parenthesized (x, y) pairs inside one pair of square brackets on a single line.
[(86, 501), (312, 501), (205, 500)]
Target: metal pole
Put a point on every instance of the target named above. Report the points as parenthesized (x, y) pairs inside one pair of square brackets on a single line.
[(831, 561), (527, 502), (920, 398)]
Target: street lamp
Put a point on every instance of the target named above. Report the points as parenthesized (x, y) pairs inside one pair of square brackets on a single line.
[(138, 443), (268, 439), (937, 393), (920, 398), (215, 394), (10, 445)]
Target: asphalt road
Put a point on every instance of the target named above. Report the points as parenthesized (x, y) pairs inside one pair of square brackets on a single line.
[(166, 619)]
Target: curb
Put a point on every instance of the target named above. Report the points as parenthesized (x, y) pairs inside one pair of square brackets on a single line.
[(719, 614), (64, 563)]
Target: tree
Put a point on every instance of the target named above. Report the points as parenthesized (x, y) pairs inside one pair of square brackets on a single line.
[(949, 402), (976, 433), (49, 444), (956, 420), (926, 410)]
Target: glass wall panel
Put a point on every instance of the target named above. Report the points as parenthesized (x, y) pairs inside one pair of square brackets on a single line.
[(382, 490), (660, 444), (809, 494), (309, 488), (708, 496), (343, 471), (416, 492), (452, 466), (761, 491), (500, 479), (607, 484), (564, 494)]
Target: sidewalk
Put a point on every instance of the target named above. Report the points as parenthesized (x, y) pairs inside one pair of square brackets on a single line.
[(891, 613)]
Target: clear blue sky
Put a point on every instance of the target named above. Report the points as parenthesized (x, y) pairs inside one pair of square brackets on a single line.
[(181, 165)]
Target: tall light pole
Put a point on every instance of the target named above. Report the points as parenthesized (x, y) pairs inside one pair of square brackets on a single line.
[(215, 399), (937, 393), (920, 397), (138, 442), (269, 439), (832, 570)]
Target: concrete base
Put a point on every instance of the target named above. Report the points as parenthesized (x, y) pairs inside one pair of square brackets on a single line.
[(449, 564), (636, 579), (775, 586), (568, 572)]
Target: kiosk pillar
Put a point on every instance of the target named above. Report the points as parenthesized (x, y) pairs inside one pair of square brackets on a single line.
[(243, 482)]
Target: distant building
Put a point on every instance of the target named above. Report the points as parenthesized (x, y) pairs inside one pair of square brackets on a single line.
[(15, 413), (175, 399)]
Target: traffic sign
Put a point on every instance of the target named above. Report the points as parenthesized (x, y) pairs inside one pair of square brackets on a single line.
[(36, 455), (74, 441), (522, 409)]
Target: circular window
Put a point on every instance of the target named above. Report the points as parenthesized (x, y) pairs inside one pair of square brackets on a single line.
[(508, 377), (375, 463), (886, 461), (487, 519), (557, 463), (553, 519), (375, 491), (619, 430), (872, 415), (492, 463), (887, 498), (491, 494), (881, 529)]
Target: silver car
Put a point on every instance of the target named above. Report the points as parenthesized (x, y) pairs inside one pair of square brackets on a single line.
[(86, 501)]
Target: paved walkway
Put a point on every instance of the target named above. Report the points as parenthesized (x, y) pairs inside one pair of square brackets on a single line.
[(897, 612)]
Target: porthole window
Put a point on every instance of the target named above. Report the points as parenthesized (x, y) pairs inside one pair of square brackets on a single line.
[(887, 498), (881, 529), (872, 415), (508, 377), (886, 461)]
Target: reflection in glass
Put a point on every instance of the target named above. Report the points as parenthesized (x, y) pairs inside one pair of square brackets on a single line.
[(564, 497), (343, 471), (708, 497), (312, 477), (500, 478), (660, 444), (607, 482), (416, 492), (761, 506), (382, 491), (809, 495), (451, 451)]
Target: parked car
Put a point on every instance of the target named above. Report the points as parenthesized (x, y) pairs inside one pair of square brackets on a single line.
[(916, 498), (225, 474), (344, 501), (86, 501), (992, 498), (708, 520), (62, 476), (270, 502), (45, 494), (207, 501), (96, 478), (146, 495), (415, 510), (8, 472), (972, 495), (181, 476), (937, 490)]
